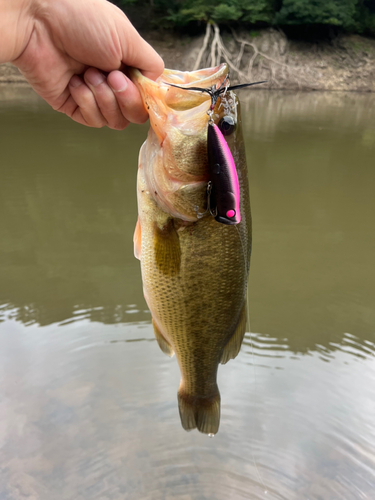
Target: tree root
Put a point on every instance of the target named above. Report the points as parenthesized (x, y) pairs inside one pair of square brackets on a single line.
[(249, 64), (204, 47)]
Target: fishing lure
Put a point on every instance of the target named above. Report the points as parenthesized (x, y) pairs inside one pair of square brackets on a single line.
[(223, 187)]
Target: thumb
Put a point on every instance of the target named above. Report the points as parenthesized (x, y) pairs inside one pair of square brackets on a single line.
[(137, 53)]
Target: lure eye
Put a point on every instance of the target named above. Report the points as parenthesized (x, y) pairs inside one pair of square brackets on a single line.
[(227, 125)]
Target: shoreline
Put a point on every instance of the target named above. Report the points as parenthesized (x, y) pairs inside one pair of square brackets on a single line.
[(346, 64)]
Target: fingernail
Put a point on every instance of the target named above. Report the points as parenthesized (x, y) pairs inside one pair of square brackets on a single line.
[(118, 82), (75, 81), (95, 77)]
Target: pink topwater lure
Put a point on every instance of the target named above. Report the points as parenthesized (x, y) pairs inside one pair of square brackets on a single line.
[(223, 187)]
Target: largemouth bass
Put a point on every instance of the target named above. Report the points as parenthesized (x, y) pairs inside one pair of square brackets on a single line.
[(194, 269)]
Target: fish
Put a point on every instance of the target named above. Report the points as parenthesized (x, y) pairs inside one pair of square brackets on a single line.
[(194, 266)]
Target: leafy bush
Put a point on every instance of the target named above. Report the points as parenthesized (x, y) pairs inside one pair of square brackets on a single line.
[(332, 12), (356, 16)]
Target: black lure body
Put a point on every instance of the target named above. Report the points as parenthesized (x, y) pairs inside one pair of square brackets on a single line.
[(224, 189)]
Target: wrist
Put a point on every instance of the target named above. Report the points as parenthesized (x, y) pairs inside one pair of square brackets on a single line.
[(16, 26)]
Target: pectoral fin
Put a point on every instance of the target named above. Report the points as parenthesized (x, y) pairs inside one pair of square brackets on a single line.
[(163, 344), (167, 249), (137, 240), (233, 346)]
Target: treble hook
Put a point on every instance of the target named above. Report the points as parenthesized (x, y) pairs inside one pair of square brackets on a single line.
[(209, 209)]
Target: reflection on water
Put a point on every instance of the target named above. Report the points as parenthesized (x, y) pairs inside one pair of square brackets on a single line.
[(88, 404), (67, 212), (312, 181)]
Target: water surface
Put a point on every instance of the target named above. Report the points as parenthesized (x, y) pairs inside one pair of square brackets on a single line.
[(88, 407)]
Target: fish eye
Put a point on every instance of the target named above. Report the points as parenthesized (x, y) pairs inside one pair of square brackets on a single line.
[(227, 125)]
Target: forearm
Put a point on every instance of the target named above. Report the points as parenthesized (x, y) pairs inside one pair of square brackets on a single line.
[(16, 25)]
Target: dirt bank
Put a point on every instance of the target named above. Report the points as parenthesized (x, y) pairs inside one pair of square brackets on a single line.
[(346, 63), (10, 74)]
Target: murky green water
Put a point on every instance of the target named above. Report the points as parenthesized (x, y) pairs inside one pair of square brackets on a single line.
[(88, 407)]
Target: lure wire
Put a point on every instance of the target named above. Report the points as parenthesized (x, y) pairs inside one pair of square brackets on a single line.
[(215, 92), (260, 477)]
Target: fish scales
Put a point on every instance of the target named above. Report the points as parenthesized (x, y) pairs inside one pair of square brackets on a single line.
[(194, 269)]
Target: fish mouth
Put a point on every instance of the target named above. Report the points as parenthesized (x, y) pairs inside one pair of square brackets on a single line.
[(162, 100), (174, 161), (204, 78), (200, 78), (182, 98)]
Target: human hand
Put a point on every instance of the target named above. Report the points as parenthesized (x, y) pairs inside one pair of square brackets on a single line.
[(93, 39)]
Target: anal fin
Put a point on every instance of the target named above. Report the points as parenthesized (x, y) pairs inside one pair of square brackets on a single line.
[(163, 344), (233, 346)]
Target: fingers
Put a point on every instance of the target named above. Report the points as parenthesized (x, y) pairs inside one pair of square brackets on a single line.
[(81, 106), (106, 100), (128, 97), (97, 101)]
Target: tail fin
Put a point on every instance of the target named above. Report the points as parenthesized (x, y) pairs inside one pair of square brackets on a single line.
[(198, 412)]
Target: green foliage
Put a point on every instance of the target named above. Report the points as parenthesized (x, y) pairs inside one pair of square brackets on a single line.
[(247, 11), (224, 13), (357, 16), (261, 11), (206, 10), (124, 3), (368, 25), (365, 17), (194, 10), (332, 12)]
